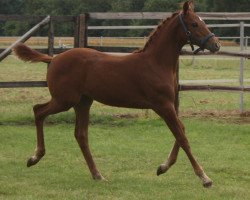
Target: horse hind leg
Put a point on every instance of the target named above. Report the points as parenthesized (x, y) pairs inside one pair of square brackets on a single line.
[(81, 135), (41, 111)]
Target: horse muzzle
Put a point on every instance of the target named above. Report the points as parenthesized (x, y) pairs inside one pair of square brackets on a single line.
[(213, 46)]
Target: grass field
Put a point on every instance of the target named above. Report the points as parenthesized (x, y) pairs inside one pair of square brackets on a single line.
[(127, 152), (128, 145)]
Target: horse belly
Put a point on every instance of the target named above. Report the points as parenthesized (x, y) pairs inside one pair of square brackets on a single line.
[(119, 93), (125, 102)]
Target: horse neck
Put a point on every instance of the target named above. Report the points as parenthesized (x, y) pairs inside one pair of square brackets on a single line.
[(166, 45)]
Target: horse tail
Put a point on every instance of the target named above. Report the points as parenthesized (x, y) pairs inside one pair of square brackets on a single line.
[(25, 53)]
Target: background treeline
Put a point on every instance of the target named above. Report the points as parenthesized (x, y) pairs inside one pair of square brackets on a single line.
[(75, 7)]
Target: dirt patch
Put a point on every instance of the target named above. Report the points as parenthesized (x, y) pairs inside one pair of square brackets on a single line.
[(126, 116), (221, 116)]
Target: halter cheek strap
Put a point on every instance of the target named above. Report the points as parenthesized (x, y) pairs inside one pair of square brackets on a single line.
[(203, 41), (188, 33)]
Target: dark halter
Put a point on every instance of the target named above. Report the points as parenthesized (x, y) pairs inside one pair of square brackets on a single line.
[(203, 41)]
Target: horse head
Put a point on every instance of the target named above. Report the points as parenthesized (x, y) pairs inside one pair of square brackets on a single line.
[(196, 31)]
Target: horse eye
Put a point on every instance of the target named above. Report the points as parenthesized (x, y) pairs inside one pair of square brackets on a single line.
[(194, 25)]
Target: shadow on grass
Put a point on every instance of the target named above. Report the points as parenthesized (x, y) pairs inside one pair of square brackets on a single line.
[(129, 118), (108, 119)]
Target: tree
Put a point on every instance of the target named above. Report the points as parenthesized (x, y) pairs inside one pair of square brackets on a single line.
[(228, 5), (161, 5), (11, 6), (76, 7), (126, 6)]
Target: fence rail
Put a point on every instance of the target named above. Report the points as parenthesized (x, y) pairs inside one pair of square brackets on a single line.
[(23, 84), (243, 16), (163, 15)]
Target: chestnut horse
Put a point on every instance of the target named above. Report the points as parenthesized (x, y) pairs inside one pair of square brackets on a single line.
[(145, 79)]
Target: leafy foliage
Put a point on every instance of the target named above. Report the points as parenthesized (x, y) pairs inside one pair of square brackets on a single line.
[(69, 7)]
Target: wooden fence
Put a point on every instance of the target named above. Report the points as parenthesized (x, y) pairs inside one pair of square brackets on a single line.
[(80, 38), (81, 27)]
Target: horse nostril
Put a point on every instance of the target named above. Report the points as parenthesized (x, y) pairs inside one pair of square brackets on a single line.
[(217, 46)]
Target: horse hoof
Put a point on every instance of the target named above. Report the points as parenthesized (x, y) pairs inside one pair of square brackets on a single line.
[(208, 184), (32, 161), (159, 171), (29, 162), (99, 177)]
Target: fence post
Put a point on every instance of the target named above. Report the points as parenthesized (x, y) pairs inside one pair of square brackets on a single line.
[(246, 44), (177, 89), (81, 28), (101, 39), (76, 34), (51, 38), (242, 62)]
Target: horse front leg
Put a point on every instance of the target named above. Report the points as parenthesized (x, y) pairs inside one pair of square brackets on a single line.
[(172, 158), (81, 135), (168, 113)]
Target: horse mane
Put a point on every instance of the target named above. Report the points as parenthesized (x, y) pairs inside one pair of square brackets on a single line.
[(154, 33)]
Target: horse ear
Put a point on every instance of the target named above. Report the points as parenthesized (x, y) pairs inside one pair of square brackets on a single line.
[(191, 5), (188, 6)]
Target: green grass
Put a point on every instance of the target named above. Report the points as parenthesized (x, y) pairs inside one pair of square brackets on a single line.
[(205, 68), (127, 152), (128, 145)]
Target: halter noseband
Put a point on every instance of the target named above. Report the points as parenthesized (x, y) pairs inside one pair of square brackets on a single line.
[(203, 41)]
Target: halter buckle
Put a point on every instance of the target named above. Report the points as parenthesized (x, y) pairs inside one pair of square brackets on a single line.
[(188, 33)]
